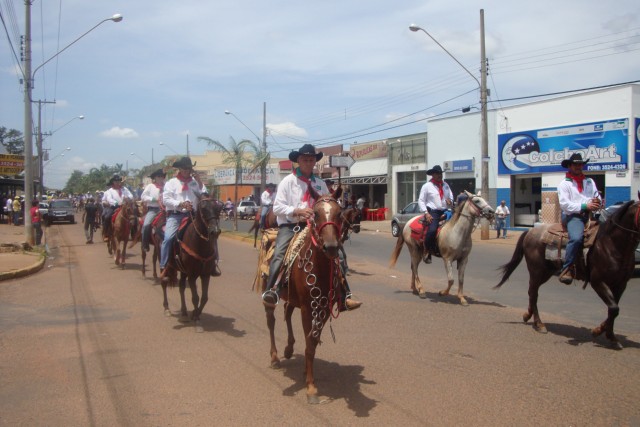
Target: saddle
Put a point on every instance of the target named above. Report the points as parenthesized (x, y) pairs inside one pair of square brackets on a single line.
[(419, 232), (556, 238)]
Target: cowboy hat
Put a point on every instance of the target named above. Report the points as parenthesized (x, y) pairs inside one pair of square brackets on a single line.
[(115, 177), (184, 163), (157, 173), (306, 149), (435, 169), (575, 158)]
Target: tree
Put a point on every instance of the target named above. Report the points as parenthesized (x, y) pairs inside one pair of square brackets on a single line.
[(12, 140), (235, 155)]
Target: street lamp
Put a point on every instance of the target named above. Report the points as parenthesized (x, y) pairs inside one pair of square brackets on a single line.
[(143, 160), (29, 78), (484, 140), (263, 153), (61, 154), (39, 140), (164, 144)]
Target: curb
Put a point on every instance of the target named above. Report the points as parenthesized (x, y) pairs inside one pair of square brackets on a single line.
[(34, 268)]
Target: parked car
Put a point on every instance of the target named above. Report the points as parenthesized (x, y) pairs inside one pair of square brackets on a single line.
[(61, 210), (606, 213), (401, 218), (246, 209)]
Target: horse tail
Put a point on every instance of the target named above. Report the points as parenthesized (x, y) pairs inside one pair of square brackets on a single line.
[(255, 227), (396, 251), (510, 267)]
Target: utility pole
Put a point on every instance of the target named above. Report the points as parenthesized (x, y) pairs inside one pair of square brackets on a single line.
[(188, 144), (263, 166), (28, 128), (39, 145), (484, 229)]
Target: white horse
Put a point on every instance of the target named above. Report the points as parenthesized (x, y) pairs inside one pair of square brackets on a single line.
[(454, 242)]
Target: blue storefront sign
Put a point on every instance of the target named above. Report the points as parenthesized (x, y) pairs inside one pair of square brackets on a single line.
[(637, 144), (462, 166), (604, 143)]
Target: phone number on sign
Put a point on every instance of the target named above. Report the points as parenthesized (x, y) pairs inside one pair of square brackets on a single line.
[(616, 167)]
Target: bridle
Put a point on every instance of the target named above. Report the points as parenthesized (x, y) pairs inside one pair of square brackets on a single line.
[(316, 236), (636, 222), (205, 220)]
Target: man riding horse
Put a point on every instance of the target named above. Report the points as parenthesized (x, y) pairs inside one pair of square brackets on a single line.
[(151, 195), (180, 198), (435, 198), (578, 196), (266, 200), (112, 199), (293, 206)]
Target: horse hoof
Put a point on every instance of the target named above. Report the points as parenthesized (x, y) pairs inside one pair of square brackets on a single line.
[(615, 345), (167, 312), (117, 261), (423, 295), (199, 328), (540, 329), (288, 352), (415, 292), (464, 303), (275, 364), (313, 399)]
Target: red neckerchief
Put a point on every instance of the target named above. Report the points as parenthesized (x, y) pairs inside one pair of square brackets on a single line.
[(158, 186), (578, 179), (307, 195), (119, 190), (439, 185), (184, 181)]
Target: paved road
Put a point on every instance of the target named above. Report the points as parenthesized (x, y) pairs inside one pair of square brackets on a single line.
[(85, 343)]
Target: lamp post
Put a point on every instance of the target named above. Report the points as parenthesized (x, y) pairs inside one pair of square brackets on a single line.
[(39, 144), (61, 154), (29, 78), (263, 149), (484, 138), (164, 144)]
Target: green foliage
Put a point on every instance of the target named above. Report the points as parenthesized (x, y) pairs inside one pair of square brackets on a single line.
[(12, 140)]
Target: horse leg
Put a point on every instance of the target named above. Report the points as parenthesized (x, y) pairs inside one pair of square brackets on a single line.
[(165, 303), (184, 317), (144, 259), (271, 324), (309, 355), (461, 267), (204, 280), (448, 265), (123, 254), (532, 310), (288, 311), (416, 284), (605, 294), (154, 261)]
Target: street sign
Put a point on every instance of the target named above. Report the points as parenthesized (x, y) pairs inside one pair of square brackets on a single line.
[(11, 164), (341, 161)]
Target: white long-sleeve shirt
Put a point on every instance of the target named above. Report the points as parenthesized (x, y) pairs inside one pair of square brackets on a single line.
[(571, 200), (151, 195), (267, 198), (114, 198), (502, 211), (291, 191), (173, 195), (430, 196)]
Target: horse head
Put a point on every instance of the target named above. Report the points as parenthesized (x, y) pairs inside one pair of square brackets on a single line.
[(351, 218), (479, 206), (209, 213), (326, 225)]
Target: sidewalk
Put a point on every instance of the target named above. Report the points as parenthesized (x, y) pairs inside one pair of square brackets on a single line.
[(14, 260)]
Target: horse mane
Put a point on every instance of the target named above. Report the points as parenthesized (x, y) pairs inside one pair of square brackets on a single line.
[(610, 223), (458, 211)]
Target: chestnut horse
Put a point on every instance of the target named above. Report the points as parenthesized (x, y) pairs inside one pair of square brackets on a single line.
[(314, 286), (609, 264), (121, 231), (270, 222), (454, 242), (197, 253)]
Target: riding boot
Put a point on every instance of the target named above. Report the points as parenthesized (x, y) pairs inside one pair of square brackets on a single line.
[(567, 275), (426, 256), (215, 271), (271, 297)]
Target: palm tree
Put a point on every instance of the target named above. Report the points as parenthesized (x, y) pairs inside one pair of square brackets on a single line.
[(235, 154)]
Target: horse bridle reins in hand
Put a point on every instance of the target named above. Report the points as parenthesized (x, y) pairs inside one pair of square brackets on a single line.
[(316, 236)]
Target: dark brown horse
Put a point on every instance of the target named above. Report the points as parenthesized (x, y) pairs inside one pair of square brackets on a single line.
[(117, 243), (270, 222), (610, 264), (314, 286), (197, 253)]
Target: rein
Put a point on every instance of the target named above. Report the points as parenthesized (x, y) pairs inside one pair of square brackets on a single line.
[(204, 236), (635, 222), (316, 238)]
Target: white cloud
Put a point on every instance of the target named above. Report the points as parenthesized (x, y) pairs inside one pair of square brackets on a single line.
[(118, 132), (287, 129)]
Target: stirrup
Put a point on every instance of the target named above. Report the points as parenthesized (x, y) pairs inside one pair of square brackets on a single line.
[(270, 297)]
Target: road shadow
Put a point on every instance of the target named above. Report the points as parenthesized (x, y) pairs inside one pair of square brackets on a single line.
[(452, 299), (334, 381), (211, 323)]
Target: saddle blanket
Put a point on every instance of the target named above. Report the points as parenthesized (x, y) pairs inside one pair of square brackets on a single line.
[(556, 238)]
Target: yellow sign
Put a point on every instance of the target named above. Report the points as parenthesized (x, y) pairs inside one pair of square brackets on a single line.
[(11, 164), (372, 150)]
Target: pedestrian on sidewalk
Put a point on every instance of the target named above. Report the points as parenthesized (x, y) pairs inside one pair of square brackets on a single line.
[(36, 220), (502, 212), (16, 208)]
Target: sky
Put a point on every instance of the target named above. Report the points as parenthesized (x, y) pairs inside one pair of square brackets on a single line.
[(330, 72)]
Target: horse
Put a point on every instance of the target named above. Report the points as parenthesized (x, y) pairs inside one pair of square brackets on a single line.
[(609, 265), (351, 218), (314, 286), (196, 257), (120, 231), (270, 222), (454, 242), (159, 220)]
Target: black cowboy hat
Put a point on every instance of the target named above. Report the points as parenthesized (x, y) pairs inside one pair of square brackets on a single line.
[(184, 163), (329, 181), (115, 177), (435, 169), (575, 158), (305, 149), (157, 173), (271, 185)]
